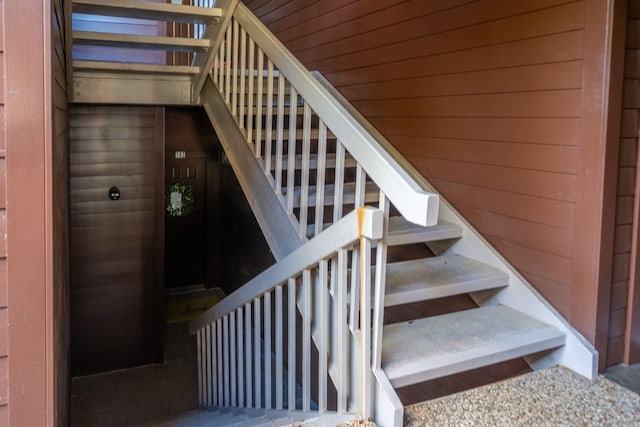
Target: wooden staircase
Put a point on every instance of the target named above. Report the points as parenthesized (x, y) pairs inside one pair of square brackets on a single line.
[(138, 82), (305, 159)]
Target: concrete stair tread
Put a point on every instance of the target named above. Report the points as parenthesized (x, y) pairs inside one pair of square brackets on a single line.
[(403, 232), (437, 277), (131, 67), (177, 44), (349, 191), (330, 161), (148, 10), (434, 347)]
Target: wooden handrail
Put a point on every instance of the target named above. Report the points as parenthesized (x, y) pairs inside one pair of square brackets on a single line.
[(363, 222), (407, 192)]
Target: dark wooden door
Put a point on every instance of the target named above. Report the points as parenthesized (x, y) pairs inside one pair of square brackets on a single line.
[(116, 244), (185, 232)]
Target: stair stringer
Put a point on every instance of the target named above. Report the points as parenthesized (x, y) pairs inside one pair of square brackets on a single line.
[(272, 218), (576, 354)]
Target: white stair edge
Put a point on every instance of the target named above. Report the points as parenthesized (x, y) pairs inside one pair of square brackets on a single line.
[(134, 41), (148, 10), (438, 346), (438, 277), (371, 194), (403, 232), (134, 67)]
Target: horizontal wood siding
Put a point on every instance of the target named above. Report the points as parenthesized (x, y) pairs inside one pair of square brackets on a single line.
[(483, 97), (114, 267)]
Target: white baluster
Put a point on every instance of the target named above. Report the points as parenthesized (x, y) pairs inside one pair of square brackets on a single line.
[(342, 329), (323, 327), (243, 77), (225, 341), (232, 357), (291, 363), (279, 351), (250, 98), (307, 315), (257, 347), (304, 179), (291, 149), (267, 350), (279, 133), (241, 359), (234, 65), (320, 177), (248, 354)]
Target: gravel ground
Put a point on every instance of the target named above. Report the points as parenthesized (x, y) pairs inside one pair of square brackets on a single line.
[(551, 397)]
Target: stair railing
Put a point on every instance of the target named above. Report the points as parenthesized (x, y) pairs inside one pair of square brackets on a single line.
[(299, 132), (250, 342)]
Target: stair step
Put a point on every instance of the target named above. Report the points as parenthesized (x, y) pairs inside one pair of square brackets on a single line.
[(134, 67), (177, 44), (330, 161), (431, 278), (371, 194), (313, 133), (438, 346), (403, 232), (147, 10)]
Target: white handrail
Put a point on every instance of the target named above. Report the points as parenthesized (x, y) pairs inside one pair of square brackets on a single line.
[(415, 202), (363, 222)]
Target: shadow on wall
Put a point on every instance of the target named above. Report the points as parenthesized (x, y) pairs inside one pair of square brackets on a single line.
[(245, 252)]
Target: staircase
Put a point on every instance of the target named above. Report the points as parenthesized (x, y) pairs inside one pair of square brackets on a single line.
[(332, 198)]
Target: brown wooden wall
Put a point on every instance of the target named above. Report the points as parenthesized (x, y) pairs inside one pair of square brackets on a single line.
[(116, 245), (626, 192), (4, 371), (60, 213), (487, 99)]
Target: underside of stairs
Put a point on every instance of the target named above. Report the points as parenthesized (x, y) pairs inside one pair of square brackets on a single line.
[(308, 164)]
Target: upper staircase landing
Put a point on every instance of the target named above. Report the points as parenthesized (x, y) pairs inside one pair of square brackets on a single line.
[(111, 63), (147, 10)]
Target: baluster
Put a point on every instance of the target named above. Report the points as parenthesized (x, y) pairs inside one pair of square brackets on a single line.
[(234, 85), (257, 352), (291, 150), (243, 76), (213, 385), (225, 340), (250, 100), (227, 82), (339, 182), (216, 66), (259, 121), (342, 349), (291, 366), (279, 133), (220, 362), (268, 119), (307, 315), (241, 359), (361, 178), (279, 355), (320, 176), (208, 364), (232, 356), (267, 350), (248, 354), (323, 328), (201, 369), (379, 292), (304, 179), (365, 327)]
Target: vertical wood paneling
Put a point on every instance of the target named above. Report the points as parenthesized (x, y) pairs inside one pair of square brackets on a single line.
[(4, 413), (60, 294), (115, 280), (29, 178)]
